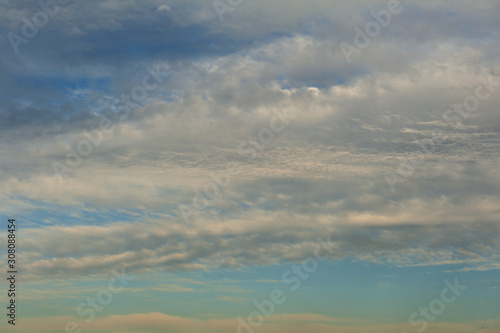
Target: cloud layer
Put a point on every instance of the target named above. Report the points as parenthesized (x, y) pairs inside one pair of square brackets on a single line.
[(392, 157)]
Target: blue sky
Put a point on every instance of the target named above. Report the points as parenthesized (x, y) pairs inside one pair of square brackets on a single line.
[(208, 154)]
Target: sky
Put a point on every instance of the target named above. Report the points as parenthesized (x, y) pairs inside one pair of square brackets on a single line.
[(251, 166)]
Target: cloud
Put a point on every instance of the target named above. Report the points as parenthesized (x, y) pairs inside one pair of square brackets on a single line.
[(149, 322), (324, 173)]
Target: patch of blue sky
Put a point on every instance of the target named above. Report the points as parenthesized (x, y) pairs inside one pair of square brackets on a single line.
[(64, 296), (345, 289), (43, 214), (352, 289)]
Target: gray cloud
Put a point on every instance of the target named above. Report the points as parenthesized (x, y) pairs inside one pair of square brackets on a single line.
[(353, 123)]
